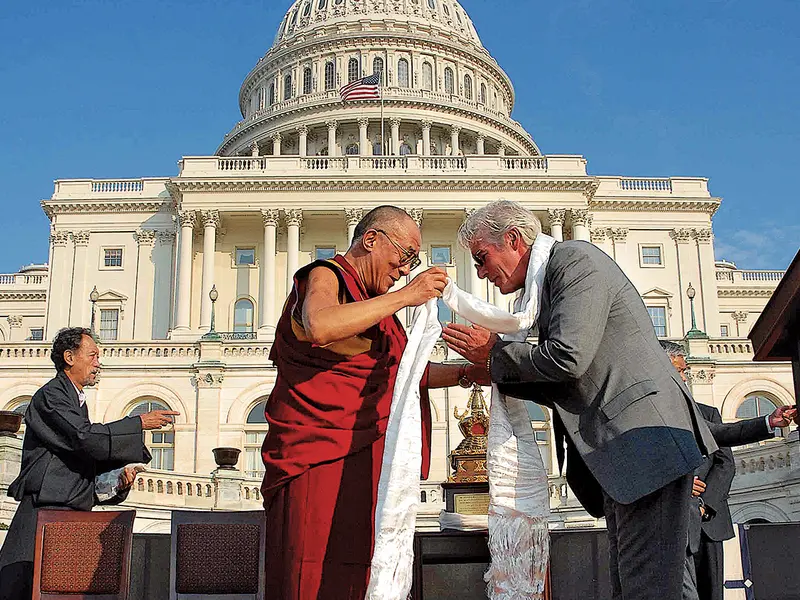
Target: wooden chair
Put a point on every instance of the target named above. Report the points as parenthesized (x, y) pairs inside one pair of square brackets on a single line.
[(82, 555), (218, 555)]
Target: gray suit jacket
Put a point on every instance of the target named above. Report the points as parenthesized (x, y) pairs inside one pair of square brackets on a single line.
[(630, 420)]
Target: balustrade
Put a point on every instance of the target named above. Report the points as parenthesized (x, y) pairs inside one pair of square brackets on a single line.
[(533, 163), (321, 163), (384, 162), (242, 164), (756, 277), (129, 185), (444, 163), (646, 185), (22, 279)]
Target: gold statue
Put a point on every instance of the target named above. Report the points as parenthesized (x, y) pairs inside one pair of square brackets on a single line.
[(469, 459)]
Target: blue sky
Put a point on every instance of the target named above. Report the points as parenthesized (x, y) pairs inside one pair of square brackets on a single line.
[(705, 88)]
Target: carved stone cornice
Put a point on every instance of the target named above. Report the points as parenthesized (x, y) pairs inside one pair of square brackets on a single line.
[(618, 234), (744, 293), (581, 216), (59, 238), (57, 207), (208, 379), (708, 206), (187, 218), (702, 236), (145, 237), (683, 236), (24, 296), (14, 320), (270, 217), (700, 376), (416, 215), (599, 236), (81, 238), (556, 216), (294, 216), (210, 218), (353, 216)]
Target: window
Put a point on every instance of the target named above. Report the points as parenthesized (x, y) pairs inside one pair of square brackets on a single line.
[(322, 4), (161, 443), (287, 87), (427, 76), (658, 314), (330, 76), (271, 94), (37, 334), (324, 252), (109, 324), (294, 19), (651, 256), (541, 431), (468, 87), (755, 405), (351, 149), (402, 73), (307, 80), (377, 66), (445, 313), (440, 255), (245, 257), (723, 331), (446, 9), (482, 97), (352, 70), (307, 9), (255, 433), (112, 258), (432, 4), (449, 81), (243, 315)]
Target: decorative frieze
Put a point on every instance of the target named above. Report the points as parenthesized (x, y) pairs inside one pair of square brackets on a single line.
[(145, 237), (270, 217), (81, 238), (294, 216), (683, 235), (59, 238), (208, 380), (744, 293), (556, 216), (700, 376)]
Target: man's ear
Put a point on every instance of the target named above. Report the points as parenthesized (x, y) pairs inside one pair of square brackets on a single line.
[(513, 237), (69, 357), (368, 240)]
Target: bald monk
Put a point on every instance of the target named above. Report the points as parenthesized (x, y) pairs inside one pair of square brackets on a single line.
[(337, 348)]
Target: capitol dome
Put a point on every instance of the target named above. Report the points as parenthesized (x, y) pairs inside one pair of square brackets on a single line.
[(443, 93)]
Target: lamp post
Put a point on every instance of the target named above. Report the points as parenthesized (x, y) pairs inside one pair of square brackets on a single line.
[(212, 332), (694, 331), (94, 296)]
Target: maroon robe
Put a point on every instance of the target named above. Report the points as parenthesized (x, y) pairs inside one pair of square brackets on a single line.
[(327, 418)]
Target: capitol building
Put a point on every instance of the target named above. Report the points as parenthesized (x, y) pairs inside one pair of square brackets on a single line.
[(287, 184)]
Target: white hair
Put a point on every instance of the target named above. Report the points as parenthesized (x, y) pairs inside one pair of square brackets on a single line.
[(491, 222), (672, 349)]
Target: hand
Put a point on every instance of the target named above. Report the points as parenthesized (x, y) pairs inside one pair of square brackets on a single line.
[(156, 419), (128, 476), (478, 374), (702, 511), (783, 416), (428, 284), (473, 343), (698, 487)]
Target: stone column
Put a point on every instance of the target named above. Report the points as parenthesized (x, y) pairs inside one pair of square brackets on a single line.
[(163, 262), (294, 218), (395, 123), (455, 130), (556, 216), (15, 328), (619, 239), (363, 137), (480, 140), (332, 126), (477, 286), (682, 237), (266, 321), (302, 132), (276, 144), (599, 238), (208, 381), (709, 308), (581, 220), (145, 283), (501, 149), (183, 303), (426, 137), (739, 316), (210, 224), (79, 307), (352, 216), (60, 274)]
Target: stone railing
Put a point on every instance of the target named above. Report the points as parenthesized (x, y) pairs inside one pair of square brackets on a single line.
[(730, 348), (238, 335), (143, 189), (681, 187), (770, 459), (23, 354), (646, 185), (760, 278), (23, 280), (121, 186)]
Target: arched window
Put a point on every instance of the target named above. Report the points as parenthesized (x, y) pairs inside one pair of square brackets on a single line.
[(482, 97), (432, 4), (427, 76), (307, 9), (352, 70), (255, 431), (351, 149), (541, 429), (243, 315), (322, 4), (307, 80), (377, 66), (330, 75), (287, 87), (161, 443), (446, 9), (467, 87), (272, 93), (294, 19), (449, 81), (755, 405), (402, 73)]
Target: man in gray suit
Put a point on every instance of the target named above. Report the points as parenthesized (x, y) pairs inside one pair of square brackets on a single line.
[(633, 434)]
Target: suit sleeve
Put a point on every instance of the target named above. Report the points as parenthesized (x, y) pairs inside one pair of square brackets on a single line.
[(580, 305), (71, 432), (748, 431), (720, 475)]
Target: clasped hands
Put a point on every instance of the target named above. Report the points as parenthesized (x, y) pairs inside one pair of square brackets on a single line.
[(473, 342)]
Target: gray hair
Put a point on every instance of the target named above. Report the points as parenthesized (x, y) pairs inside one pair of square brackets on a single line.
[(672, 349), (491, 222)]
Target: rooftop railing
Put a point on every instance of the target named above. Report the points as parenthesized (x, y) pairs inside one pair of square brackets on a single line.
[(749, 277), (21, 279)]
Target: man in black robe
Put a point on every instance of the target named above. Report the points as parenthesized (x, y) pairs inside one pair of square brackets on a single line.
[(63, 452)]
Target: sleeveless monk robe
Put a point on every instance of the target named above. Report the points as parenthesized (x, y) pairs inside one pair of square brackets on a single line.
[(327, 418)]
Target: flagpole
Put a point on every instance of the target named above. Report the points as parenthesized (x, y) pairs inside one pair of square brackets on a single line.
[(383, 139)]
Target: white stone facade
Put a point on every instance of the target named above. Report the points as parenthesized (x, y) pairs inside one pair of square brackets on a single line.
[(289, 183)]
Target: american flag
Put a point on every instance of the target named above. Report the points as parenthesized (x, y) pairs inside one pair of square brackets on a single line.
[(368, 88)]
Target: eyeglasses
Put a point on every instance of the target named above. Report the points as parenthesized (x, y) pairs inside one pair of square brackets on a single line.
[(480, 259), (407, 257)]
